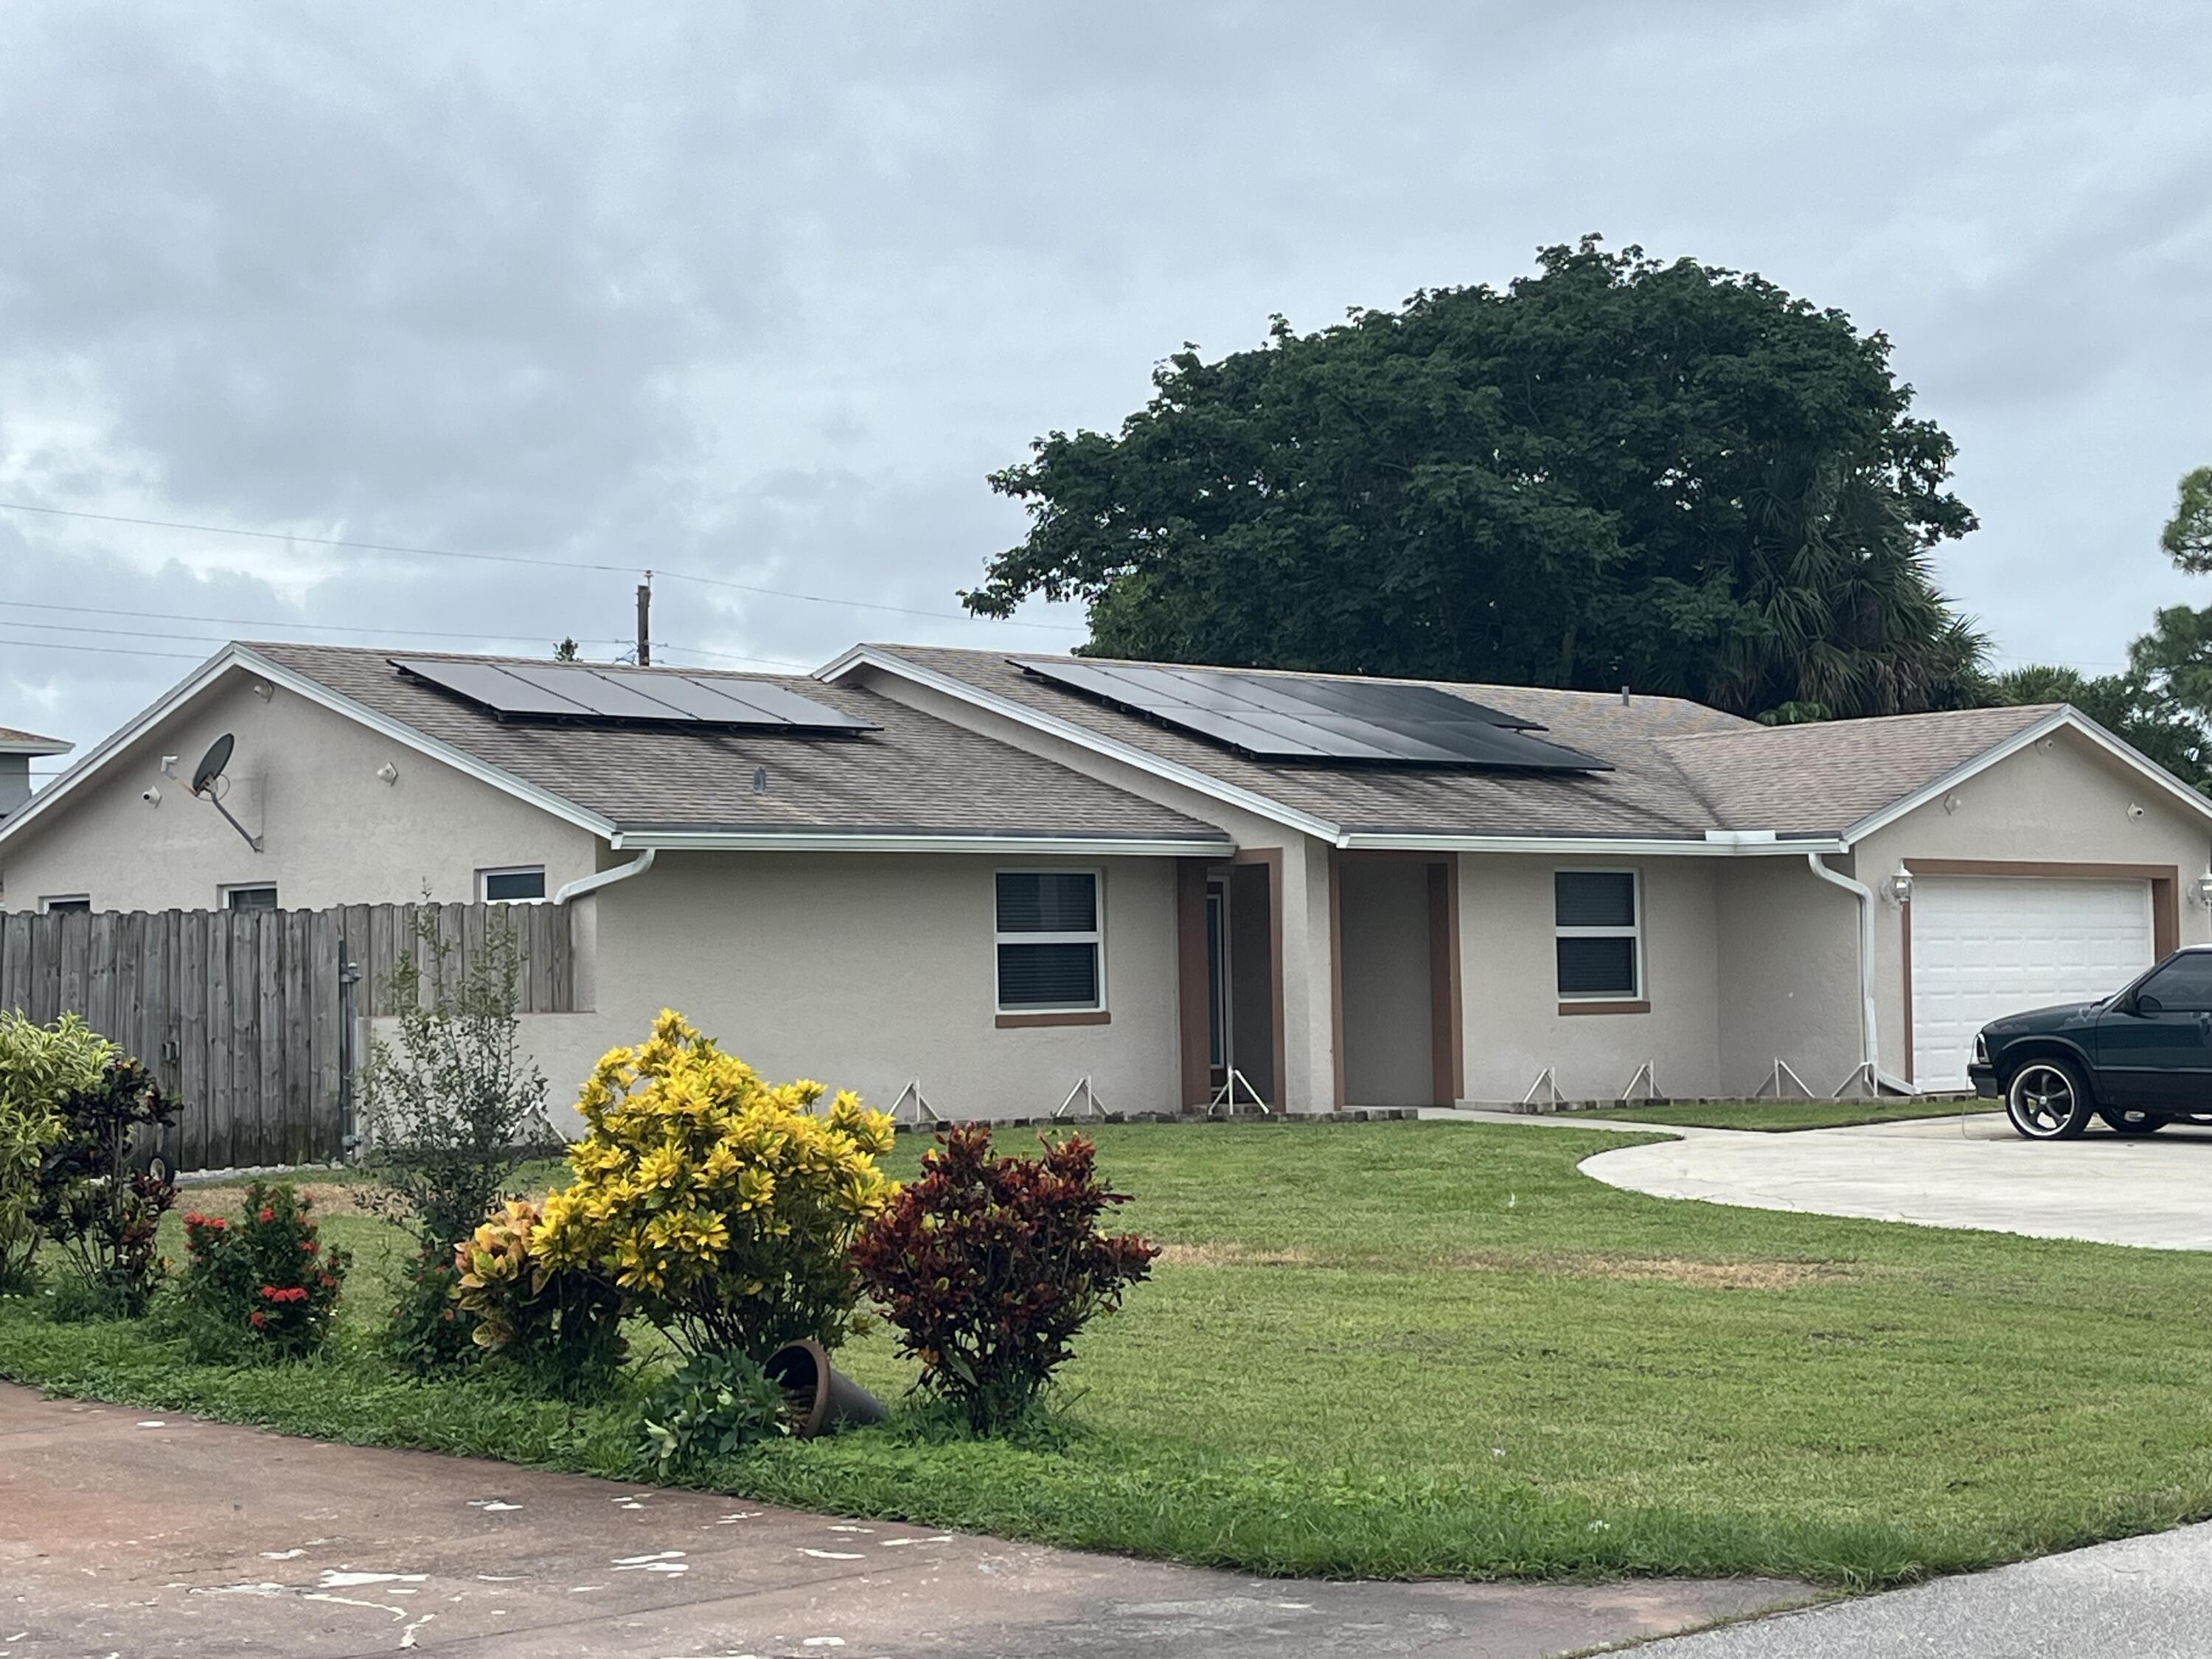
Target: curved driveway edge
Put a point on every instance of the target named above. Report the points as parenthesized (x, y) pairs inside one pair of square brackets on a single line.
[(129, 1531), (2154, 1193)]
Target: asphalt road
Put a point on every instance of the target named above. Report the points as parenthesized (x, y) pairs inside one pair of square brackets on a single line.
[(2143, 1598), (127, 1533)]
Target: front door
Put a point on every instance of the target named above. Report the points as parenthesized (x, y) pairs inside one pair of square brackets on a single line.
[(1219, 1028), (2155, 1052)]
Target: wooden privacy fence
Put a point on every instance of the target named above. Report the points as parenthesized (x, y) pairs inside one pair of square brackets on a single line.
[(250, 1019)]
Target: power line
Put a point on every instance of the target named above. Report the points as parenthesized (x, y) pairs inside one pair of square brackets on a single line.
[(272, 622), (103, 650), (522, 559)]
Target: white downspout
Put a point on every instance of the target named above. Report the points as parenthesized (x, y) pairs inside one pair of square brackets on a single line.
[(583, 885), (1868, 1051), (584, 925)]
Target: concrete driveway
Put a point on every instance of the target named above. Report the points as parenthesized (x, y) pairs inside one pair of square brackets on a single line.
[(128, 1532), (1972, 1171)]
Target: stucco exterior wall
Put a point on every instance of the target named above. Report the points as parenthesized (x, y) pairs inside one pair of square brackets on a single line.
[(1308, 1025), (1788, 960), (1510, 983), (305, 780), (2062, 800), (1383, 930), (864, 971)]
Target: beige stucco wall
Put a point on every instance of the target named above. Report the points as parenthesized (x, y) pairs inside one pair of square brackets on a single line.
[(1308, 1025), (1510, 983), (1383, 930), (864, 971), (303, 778), (2064, 801), (1788, 962)]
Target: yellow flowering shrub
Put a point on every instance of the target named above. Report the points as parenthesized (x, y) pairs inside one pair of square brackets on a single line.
[(560, 1327), (723, 1206)]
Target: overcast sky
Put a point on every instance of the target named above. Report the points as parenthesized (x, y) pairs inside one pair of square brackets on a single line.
[(762, 292)]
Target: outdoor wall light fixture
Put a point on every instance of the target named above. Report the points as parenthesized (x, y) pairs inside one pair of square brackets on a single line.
[(2202, 890), (388, 773), (1899, 887), (263, 690)]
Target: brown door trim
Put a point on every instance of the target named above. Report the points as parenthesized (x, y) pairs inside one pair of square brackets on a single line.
[(1446, 1041), (1273, 858), (1336, 975)]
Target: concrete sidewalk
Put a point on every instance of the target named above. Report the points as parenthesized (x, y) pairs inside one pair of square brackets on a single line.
[(126, 1531)]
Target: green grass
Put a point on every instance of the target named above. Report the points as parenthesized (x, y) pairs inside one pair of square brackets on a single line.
[(1417, 1349), (1782, 1116)]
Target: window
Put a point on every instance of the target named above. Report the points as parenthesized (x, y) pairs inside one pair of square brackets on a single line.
[(1051, 948), (524, 883), (259, 896), (59, 903), (1600, 944), (2184, 986)]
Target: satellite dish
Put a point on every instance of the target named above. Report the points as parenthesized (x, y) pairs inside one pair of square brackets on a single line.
[(209, 771)]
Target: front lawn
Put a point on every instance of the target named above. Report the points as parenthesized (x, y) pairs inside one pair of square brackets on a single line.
[(1407, 1349), (1782, 1116)]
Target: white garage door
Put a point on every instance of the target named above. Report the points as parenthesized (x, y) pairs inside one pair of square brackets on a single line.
[(1986, 947)]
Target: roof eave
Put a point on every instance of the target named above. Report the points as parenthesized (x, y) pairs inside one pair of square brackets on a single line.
[(2066, 715), (241, 656), (1026, 844)]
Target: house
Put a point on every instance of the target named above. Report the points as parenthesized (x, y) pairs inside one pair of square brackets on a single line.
[(1001, 874), (17, 751)]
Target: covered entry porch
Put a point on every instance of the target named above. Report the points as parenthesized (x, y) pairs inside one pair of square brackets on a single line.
[(1391, 1000)]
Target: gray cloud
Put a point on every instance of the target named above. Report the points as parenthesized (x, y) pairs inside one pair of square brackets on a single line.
[(764, 291)]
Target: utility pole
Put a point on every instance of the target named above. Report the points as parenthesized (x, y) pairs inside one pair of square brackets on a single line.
[(645, 621)]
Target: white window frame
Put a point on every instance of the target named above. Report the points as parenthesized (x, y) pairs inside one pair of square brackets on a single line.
[(68, 901), (1095, 938), (484, 883), (222, 893), (1634, 932)]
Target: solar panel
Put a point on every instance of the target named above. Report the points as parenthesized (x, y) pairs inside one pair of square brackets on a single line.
[(1291, 717), (599, 696)]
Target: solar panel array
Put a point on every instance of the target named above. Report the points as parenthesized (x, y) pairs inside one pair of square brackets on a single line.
[(1285, 717), (592, 695)]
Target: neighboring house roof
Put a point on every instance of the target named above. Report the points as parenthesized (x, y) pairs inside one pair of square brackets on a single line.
[(1683, 773), (13, 741), (916, 778)]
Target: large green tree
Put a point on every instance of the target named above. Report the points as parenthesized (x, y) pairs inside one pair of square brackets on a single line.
[(1614, 471)]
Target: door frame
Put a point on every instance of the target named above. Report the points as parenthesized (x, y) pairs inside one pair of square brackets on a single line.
[(2164, 881)]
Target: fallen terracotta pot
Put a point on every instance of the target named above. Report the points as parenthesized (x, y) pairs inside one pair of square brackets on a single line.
[(824, 1400)]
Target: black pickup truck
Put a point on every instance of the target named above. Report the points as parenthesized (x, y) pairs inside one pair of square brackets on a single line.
[(2140, 1059)]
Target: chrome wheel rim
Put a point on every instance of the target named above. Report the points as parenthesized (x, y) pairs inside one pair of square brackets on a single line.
[(2042, 1102)]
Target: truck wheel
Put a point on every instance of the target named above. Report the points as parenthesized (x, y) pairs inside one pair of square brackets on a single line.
[(2046, 1100)]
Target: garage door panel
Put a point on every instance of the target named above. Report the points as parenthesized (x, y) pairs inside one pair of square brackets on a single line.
[(1987, 946)]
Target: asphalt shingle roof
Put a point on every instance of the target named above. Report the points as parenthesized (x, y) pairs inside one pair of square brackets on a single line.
[(917, 774), (1680, 767), (20, 741)]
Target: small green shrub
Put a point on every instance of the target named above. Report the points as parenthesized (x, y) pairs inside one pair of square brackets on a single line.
[(263, 1287), (453, 1106), (558, 1328), (724, 1207), (105, 1216), (41, 1067), (714, 1405), (989, 1266), (429, 1332)]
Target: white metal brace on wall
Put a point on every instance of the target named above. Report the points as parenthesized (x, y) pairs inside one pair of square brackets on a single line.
[(1643, 1075), (1225, 1096), (923, 1111), (1092, 1106), (1550, 1088), (1770, 1088)]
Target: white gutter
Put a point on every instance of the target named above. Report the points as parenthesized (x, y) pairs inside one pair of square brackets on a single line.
[(1869, 1054), (836, 840), (1715, 843), (583, 885)]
